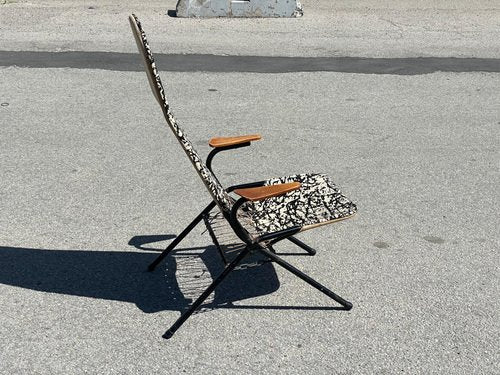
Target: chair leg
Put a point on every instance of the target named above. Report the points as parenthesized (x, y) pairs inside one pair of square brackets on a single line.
[(181, 236), (302, 245), (346, 304), (205, 294)]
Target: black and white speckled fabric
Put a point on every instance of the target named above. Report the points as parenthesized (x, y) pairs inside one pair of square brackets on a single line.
[(318, 200), (223, 199)]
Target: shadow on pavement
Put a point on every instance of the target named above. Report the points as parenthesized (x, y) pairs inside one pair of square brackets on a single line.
[(122, 276), (139, 241)]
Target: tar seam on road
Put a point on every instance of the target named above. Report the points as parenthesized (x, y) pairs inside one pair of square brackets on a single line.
[(248, 64)]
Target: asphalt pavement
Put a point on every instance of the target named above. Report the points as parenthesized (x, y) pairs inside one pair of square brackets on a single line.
[(93, 184)]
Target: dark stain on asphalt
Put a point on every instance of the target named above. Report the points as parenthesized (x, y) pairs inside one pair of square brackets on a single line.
[(381, 244), (433, 239), (247, 64)]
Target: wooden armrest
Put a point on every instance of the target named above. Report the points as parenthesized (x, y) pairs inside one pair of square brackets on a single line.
[(264, 192), (231, 141)]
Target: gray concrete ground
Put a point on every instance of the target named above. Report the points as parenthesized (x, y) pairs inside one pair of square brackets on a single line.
[(373, 28), (87, 164)]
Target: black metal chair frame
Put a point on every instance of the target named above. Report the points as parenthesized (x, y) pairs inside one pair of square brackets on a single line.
[(262, 244), (251, 246)]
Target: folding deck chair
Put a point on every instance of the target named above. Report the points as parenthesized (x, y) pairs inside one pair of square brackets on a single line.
[(263, 212)]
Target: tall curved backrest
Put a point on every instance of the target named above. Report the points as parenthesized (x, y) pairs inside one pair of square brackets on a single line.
[(223, 200)]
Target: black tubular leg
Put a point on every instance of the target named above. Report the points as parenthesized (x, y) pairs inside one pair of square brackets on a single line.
[(347, 305), (205, 294), (302, 245), (181, 236)]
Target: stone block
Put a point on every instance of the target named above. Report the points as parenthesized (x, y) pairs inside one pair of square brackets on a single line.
[(239, 8)]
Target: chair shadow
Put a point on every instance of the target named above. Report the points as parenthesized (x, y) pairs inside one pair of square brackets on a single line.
[(139, 241), (122, 276)]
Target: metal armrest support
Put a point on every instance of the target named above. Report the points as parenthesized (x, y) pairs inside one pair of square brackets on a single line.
[(228, 143), (244, 186), (215, 151), (235, 223)]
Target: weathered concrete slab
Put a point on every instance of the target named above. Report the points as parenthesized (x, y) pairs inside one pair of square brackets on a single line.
[(239, 8)]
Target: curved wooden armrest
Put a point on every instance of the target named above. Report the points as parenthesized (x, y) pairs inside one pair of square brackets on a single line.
[(231, 141), (264, 192)]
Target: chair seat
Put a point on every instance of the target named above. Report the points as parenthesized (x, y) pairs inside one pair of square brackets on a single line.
[(318, 201)]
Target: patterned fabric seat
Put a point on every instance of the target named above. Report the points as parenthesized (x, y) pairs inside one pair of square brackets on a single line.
[(317, 202)]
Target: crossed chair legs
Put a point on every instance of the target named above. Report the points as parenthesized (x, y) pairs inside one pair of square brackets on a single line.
[(195, 222), (346, 305)]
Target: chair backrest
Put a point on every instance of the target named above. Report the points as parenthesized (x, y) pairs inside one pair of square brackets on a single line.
[(221, 197)]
